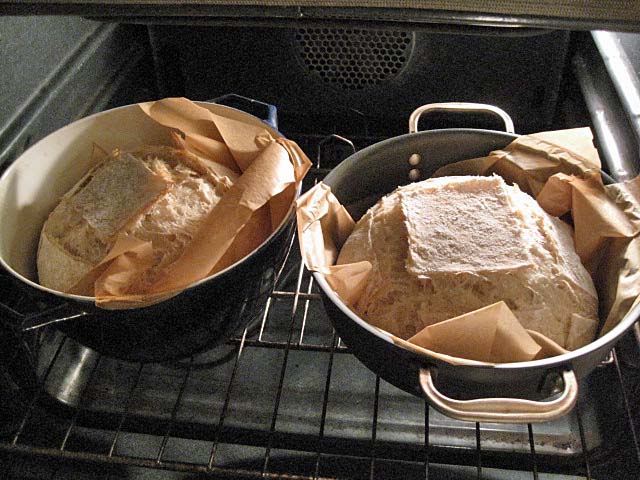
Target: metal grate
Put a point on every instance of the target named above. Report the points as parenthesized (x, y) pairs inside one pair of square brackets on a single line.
[(354, 58), (285, 398)]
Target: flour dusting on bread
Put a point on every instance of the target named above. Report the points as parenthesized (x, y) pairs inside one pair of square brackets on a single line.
[(157, 194), (462, 225), (447, 246)]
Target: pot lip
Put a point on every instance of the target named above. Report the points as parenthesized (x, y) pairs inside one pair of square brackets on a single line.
[(87, 300), (607, 340)]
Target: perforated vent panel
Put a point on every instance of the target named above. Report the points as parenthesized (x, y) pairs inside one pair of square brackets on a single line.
[(354, 58)]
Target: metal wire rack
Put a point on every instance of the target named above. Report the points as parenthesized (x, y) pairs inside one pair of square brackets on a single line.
[(286, 399)]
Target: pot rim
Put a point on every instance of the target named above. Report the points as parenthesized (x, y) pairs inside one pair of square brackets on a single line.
[(565, 359), (83, 299)]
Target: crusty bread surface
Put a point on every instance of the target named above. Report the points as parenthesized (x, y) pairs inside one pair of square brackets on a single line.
[(157, 194), (447, 246)]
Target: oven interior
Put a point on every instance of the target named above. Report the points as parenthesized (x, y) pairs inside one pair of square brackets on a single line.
[(285, 398)]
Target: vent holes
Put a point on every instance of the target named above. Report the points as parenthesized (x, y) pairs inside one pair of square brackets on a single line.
[(354, 58)]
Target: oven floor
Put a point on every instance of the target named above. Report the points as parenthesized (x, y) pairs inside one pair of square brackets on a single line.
[(53, 470)]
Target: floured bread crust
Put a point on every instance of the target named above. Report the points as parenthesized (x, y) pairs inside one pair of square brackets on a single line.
[(444, 247), (61, 268), (456, 225), (157, 194)]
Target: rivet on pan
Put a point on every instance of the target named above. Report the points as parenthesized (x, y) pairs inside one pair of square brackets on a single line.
[(415, 159), (414, 174)]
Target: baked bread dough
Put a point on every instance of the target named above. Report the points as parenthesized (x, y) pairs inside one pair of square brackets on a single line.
[(158, 194), (447, 246)]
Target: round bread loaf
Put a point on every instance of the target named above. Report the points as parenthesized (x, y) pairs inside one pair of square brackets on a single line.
[(447, 246), (157, 194)]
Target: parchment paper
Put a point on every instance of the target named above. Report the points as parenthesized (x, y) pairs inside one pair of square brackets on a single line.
[(562, 171), (271, 170)]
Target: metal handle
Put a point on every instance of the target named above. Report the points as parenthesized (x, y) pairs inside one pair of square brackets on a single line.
[(459, 107), (502, 410), (59, 314)]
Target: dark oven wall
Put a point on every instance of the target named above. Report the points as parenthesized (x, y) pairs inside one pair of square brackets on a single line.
[(322, 76), (58, 69), (323, 80)]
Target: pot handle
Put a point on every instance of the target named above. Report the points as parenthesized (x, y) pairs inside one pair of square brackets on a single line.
[(61, 313), (459, 107), (502, 410)]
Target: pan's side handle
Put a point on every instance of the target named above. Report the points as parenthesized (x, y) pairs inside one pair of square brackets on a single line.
[(459, 107), (502, 410)]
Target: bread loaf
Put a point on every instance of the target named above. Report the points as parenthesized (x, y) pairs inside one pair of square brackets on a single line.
[(447, 246), (157, 194)]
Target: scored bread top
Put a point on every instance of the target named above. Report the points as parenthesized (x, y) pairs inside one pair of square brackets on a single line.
[(411, 287), (114, 191), (462, 225), (157, 194), (136, 187)]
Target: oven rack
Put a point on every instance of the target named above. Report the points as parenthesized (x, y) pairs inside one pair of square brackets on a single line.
[(105, 415)]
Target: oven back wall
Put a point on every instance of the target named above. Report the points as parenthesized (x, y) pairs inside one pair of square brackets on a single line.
[(383, 74)]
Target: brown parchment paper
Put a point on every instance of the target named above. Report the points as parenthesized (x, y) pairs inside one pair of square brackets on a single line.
[(561, 170), (270, 171)]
